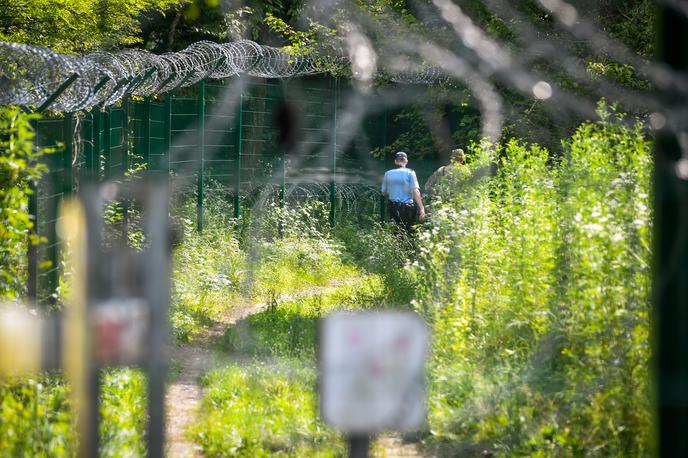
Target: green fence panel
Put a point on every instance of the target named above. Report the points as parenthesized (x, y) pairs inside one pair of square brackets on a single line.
[(183, 136), (229, 145), (51, 133), (157, 152), (220, 131)]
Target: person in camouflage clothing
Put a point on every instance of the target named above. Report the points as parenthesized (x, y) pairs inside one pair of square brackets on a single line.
[(458, 159)]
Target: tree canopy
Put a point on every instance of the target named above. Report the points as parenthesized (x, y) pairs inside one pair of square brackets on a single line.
[(78, 26)]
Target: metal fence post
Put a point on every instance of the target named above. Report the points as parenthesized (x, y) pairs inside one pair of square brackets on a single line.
[(32, 249), (201, 153), (95, 153), (146, 134), (670, 289), (237, 162), (126, 159), (67, 172), (383, 200), (167, 134), (283, 179), (333, 181), (107, 142), (157, 292), (125, 135), (61, 184), (87, 145)]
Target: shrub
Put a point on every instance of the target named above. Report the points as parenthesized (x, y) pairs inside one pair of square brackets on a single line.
[(536, 282)]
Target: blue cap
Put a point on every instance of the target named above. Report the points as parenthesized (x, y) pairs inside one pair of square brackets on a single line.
[(400, 155)]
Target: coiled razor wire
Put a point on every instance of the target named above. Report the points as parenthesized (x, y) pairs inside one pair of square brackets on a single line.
[(33, 75)]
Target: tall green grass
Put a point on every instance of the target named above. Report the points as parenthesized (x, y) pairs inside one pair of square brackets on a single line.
[(36, 419), (263, 401), (234, 263), (536, 282)]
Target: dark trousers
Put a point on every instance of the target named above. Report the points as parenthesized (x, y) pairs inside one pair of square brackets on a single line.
[(403, 215)]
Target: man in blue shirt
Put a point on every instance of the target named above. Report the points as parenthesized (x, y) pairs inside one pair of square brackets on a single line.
[(400, 185)]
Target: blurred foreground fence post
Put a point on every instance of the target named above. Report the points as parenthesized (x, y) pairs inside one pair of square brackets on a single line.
[(670, 287), (358, 446), (118, 315)]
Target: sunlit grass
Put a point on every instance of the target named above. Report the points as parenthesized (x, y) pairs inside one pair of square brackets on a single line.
[(260, 410), (36, 418), (267, 406)]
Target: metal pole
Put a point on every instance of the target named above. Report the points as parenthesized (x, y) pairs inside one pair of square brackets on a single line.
[(358, 446), (107, 142), (383, 200), (125, 134), (237, 162), (103, 81), (32, 249), (90, 443), (63, 87), (87, 135), (167, 134), (283, 182), (67, 172), (126, 159), (201, 153), (333, 181), (146, 132), (671, 250), (89, 439), (157, 293), (139, 80), (61, 183), (95, 156)]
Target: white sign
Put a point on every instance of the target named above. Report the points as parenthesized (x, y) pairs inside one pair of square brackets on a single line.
[(373, 371)]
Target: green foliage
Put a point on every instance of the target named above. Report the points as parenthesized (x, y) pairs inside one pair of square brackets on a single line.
[(536, 282), (267, 406), (78, 26), (289, 265), (123, 410), (232, 262), (18, 168), (623, 75), (263, 410), (271, 408), (221, 21), (36, 417), (208, 272), (379, 250), (288, 329), (632, 22)]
